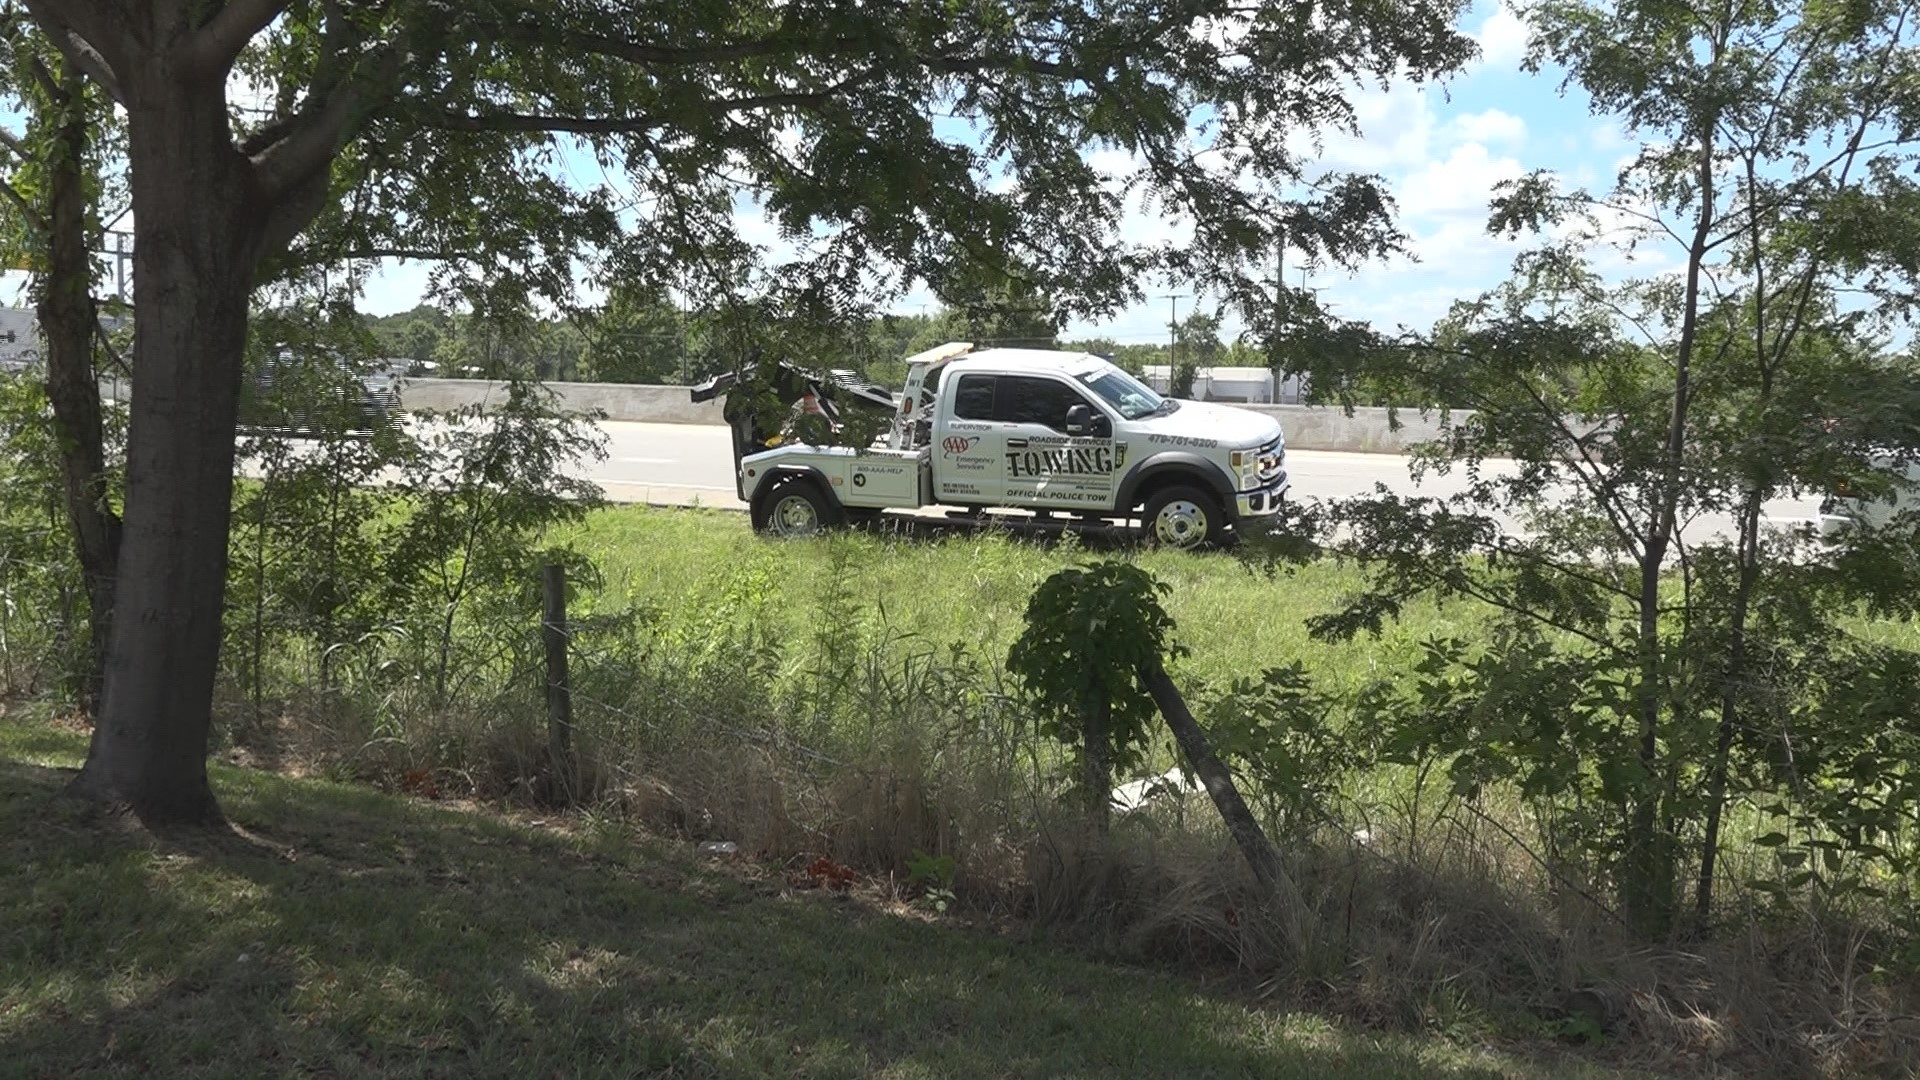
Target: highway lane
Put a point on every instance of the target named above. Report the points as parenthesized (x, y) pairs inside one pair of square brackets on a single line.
[(690, 464), (696, 458), (681, 463)]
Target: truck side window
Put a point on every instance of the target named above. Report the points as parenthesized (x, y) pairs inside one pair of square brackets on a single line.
[(973, 398), (1027, 400)]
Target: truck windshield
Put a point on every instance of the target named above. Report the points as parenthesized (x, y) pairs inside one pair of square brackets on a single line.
[(1133, 398)]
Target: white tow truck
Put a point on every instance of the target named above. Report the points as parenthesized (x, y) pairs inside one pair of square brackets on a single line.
[(1845, 508), (1045, 431)]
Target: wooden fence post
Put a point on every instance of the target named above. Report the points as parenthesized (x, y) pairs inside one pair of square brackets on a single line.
[(553, 632)]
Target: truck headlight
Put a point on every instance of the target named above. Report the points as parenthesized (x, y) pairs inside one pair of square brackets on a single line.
[(1257, 466), (1246, 468)]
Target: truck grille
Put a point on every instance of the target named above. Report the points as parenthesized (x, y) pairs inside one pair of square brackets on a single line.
[(1272, 457)]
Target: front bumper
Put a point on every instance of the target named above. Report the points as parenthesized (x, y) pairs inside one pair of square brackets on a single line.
[(1263, 502)]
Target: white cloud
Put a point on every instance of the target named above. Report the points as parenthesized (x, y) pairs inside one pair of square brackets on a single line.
[(1462, 182), (1502, 38), (1456, 259), (395, 287), (1491, 126), (756, 227), (1396, 132), (1113, 164)]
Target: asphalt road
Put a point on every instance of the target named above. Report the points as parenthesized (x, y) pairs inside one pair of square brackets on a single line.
[(684, 464), (690, 465)]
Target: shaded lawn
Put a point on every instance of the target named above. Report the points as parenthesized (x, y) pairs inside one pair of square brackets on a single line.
[(353, 933)]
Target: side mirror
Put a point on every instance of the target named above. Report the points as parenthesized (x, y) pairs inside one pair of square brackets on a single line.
[(1079, 420)]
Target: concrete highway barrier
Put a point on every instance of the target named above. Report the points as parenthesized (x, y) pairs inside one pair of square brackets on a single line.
[(1307, 427), (1366, 431), (620, 401)]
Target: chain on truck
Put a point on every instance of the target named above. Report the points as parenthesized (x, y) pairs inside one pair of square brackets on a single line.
[(1049, 432)]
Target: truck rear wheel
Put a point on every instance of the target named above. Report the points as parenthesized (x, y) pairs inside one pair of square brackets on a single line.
[(794, 508), (1185, 518)]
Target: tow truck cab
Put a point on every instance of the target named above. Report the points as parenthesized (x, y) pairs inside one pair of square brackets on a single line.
[(1044, 430)]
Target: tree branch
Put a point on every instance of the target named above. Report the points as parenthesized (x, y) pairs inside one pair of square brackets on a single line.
[(969, 65), (113, 354), (56, 17), (308, 143), (214, 47), (47, 82), (13, 144), (782, 41), (530, 122), (587, 125), (91, 63), (35, 219), (617, 125), (303, 258)]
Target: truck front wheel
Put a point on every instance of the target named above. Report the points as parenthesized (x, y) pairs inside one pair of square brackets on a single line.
[(794, 508), (1185, 518)]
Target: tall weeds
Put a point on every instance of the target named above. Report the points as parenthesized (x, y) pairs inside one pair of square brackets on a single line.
[(385, 627)]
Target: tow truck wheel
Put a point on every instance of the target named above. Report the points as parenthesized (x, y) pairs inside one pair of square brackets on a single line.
[(1184, 518), (794, 508)]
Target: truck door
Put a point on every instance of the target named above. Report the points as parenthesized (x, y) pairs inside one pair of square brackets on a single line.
[(968, 447), (1044, 465)]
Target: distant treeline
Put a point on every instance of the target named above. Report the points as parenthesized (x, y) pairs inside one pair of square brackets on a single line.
[(656, 343)]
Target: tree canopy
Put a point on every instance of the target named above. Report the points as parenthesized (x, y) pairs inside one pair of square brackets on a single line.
[(1645, 677), (900, 143)]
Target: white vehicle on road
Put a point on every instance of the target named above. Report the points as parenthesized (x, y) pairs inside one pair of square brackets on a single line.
[(1844, 509), (1041, 430)]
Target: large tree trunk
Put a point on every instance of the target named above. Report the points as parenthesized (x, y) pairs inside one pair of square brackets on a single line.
[(198, 228), (67, 318)]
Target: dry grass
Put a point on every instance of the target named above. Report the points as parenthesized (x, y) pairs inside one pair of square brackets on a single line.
[(352, 933), (1467, 939), (1441, 922)]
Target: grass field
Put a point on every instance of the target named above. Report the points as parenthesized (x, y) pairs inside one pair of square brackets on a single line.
[(972, 589), (351, 933), (358, 933)]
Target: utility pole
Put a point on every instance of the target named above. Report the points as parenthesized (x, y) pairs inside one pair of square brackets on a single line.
[(1173, 323), (1279, 279), (1279, 308)]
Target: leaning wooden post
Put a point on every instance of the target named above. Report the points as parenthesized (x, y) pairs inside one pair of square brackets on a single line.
[(553, 631), (1262, 858)]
